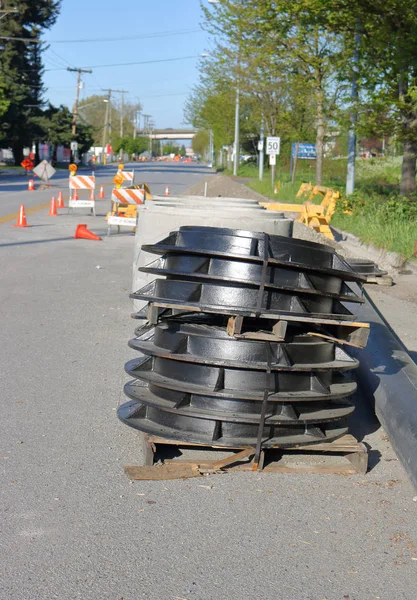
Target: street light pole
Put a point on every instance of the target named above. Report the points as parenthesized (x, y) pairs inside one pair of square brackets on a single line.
[(106, 125), (350, 175), (237, 144), (261, 152)]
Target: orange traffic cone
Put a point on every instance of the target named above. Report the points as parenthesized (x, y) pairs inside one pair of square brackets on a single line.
[(91, 198), (60, 200), (82, 233), (101, 194), (166, 191), (52, 209), (74, 195), (31, 185), (21, 219), (275, 190)]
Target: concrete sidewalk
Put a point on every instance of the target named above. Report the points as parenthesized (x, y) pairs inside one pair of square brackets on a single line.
[(75, 528)]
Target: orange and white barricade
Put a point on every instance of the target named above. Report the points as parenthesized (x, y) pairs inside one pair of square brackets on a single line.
[(128, 196), (127, 176), (124, 203), (82, 182)]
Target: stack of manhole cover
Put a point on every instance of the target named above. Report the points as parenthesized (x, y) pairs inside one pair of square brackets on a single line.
[(246, 341)]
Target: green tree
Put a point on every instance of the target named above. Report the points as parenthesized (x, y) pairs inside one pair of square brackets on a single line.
[(298, 58), (131, 145), (200, 142), (54, 126), (387, 68), (21, 66), (93, 110)]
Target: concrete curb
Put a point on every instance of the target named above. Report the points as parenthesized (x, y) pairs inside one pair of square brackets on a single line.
[(388, 376), (389, 260)]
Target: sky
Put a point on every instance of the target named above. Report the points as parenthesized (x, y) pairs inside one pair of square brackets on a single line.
[(161, 30)]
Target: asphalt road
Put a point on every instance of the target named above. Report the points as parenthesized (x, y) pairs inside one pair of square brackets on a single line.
[(13, 187), (75, 528)]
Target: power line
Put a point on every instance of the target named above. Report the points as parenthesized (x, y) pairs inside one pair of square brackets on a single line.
[(124, 38), (129, 64)]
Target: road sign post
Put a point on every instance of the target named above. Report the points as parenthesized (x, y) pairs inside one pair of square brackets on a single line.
[(273, 145)]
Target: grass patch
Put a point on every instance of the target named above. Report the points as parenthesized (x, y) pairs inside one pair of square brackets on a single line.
[(396, 236), (380, 215)]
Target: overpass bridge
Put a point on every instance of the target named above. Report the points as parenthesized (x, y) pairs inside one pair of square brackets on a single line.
[(170, 134)]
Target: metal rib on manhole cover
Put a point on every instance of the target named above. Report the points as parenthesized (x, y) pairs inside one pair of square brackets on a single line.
[(236, 410), (227, 434), (203, 268), (290, 252), (235, 299), (211, 345), (246, 384)]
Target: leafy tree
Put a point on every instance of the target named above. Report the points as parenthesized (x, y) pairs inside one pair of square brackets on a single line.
[(297, 59), (54, 126), (387, 67), (93, 111), (21, 67), (131, 145), (200, 142)]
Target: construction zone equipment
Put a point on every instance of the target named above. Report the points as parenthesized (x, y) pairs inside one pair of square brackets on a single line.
[(166, 193), (21, 219), (316, 216), (52, 209), (60, 200), (82, 182), (101, 193), (82, 233), (128, 177), (124, 204), (31, 185)]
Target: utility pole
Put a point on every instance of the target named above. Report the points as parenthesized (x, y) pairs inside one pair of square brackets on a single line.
[(237, 144), (137, 123), (106, 125), (77, 95), (261, 152), (147, 130), (350, 175), (122, 111), (109, 116)]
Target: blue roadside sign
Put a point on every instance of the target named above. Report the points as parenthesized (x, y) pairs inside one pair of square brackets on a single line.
[(304, 151)]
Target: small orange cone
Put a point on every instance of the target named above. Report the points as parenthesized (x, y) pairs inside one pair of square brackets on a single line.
[(52, 209), (75, 195), (91, 195), (60, 200), (31, 185), (166, 191), (82, 233), (21, 219), (101, 194), (275, 190)]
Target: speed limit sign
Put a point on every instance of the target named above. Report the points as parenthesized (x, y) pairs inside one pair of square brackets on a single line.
[(273, 145)]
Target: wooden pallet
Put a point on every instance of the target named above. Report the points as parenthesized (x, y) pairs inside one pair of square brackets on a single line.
[(351, 333), (354, 459)]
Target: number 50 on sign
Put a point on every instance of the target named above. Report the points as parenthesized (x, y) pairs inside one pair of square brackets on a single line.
[(273, 145)]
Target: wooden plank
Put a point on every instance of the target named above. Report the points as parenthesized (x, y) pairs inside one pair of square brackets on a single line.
[(175, 470), (269, 317)]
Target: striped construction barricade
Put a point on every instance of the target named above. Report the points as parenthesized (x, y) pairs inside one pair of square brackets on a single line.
[(78, 183), (127, 176), (124, 203)]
